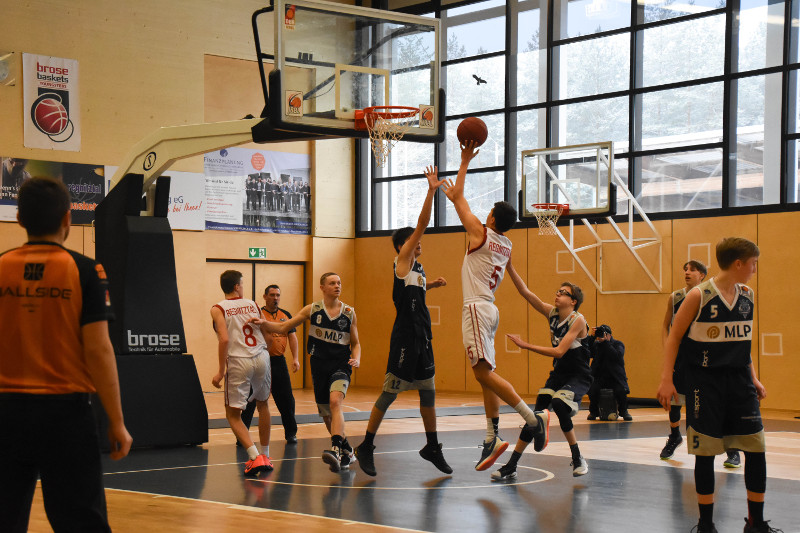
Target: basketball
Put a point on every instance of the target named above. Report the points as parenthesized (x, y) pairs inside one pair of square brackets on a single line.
[(51, 116), (472, 129), (295, 101), (428, 115), (290, 13)]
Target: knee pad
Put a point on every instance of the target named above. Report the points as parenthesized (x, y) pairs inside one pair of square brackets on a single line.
[(427, 398), (543, 399), (568, 397), (385, 400), (563, 413), (675, 413), (755, 472), (704, 474)]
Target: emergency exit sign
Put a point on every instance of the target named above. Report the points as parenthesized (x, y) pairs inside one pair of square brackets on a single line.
[(258, 253)]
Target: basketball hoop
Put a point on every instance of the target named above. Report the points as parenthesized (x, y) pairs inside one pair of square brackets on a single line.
[(386, 126), (547, 216)]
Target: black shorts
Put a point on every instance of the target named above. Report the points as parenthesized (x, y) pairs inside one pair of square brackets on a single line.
[(410, 358), (722, 411), (569, 388), (326, 372)]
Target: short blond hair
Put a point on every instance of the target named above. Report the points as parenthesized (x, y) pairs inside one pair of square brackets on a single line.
[(730, 249)]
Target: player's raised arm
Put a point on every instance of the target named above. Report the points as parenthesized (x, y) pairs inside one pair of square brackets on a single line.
[(526, 293), (455, 193), (405, 259), (683, 319), (355, 344)]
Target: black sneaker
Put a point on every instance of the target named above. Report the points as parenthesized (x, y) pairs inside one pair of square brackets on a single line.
[(365, 458), (670, 447), (733, 460), (703, 528), (592, 416), (763, 527), (332, 458), (434, 454), (291, 439), (626, 416), (347, 458), (542, 435), (505, 473), (491, 451)]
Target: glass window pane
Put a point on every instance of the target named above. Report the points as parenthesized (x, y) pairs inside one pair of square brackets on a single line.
[(758, 140), (527, 126), (475, 29), (621, 168), (594, 67), (585, 17), (684, 51), (595, 121), (476, 85), (681, 181), (529, 57), (760, 34), (409, 158), (654, 10), (793, 170), (402, 202), (482, 190), (681, 117), (492, 153)]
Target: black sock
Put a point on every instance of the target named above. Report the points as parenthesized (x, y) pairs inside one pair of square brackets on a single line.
[(576, 452), (369, 438), (675, 432), (496, 424), (433, 440), (336, 441), (514, 459), (706, 513), (755, 510), (346, 445)]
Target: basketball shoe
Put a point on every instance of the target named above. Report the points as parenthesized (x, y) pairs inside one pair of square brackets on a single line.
[(433, 453), (332, 458), (670, 447), (366, 460), (763, 527), (733, 460), (259, 464), (491, 451), (505, 473)]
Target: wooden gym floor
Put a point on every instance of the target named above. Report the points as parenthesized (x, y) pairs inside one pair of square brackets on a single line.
[(628, 488)]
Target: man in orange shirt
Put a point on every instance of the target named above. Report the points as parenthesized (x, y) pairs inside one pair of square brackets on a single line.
[(281, 381), (54, 352)]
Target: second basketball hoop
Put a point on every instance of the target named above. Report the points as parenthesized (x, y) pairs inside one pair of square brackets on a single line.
[(386, 126), (547, 216)]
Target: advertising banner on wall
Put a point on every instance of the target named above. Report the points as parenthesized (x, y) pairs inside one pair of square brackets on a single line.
[(258, 190), (51, 110), (86, 184)]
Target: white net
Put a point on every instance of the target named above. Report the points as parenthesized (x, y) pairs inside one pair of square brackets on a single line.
[(387, 126), (547, 216)]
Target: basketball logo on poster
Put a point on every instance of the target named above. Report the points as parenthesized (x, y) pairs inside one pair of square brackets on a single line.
[(51, 111)]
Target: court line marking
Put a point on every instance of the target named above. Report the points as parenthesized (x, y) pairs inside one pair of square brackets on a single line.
[(264, 510)]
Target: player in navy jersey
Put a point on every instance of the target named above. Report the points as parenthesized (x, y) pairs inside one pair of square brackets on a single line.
[(694, 272), (571, 376), (410, 364), (334, 351), (488, 252), (712, 330)]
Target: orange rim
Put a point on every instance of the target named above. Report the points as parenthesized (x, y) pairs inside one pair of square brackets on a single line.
[(564, 208), (384, 111)]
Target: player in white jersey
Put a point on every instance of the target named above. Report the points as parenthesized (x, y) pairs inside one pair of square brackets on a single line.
[(244, 363), (484, 265)]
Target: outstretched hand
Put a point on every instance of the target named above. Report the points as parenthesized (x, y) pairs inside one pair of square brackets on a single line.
[(449, 189), (468, 151), (432, 173), (516, 339)]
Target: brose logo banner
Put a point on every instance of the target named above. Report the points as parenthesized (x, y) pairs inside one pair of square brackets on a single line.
[(51, 111)]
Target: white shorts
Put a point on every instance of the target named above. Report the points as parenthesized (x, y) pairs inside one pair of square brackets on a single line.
[(244, 373), (479, 321)]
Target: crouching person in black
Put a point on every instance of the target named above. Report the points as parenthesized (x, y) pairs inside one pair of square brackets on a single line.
[(608, 369)]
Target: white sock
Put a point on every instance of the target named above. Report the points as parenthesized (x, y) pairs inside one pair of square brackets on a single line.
[(265, 450), (252, 452), (489, 430), (526, 412)]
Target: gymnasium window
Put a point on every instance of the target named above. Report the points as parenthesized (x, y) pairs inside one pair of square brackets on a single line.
[(700, 98)]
